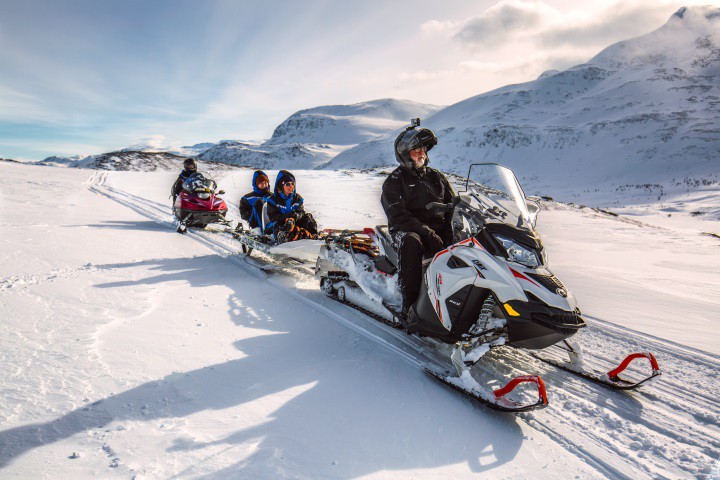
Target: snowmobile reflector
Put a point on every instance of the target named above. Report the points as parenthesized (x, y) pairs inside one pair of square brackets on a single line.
[(613, 374), (542, 393), (511, 311)]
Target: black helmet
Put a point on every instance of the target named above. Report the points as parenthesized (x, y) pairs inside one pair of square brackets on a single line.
[(411, 139), (190, 165)]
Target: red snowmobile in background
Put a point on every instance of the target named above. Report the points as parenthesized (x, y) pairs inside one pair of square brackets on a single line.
[(199, 204)]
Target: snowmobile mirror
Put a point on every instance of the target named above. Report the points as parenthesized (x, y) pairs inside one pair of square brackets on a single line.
[(221, 192)]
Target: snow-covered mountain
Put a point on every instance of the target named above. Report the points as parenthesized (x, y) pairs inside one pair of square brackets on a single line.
[(643, 111), (312, 137), (125, 160), (185, 151), (348, 124)]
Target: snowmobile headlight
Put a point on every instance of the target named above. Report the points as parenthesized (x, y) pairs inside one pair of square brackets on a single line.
[(518, 253), (204, 195)]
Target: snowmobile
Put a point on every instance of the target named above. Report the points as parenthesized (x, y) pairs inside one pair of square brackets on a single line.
[(490, 288), (198, 204)]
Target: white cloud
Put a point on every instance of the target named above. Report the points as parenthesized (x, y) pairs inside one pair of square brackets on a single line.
[(504, 21), (437, 26)]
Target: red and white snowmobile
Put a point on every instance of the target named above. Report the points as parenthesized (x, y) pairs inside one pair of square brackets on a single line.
[(490, 288), (199, 204)]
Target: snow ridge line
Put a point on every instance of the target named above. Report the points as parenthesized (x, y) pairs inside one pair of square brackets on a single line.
[(572, 430)]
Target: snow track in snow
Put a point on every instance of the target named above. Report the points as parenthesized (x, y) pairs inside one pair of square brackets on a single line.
[(667, 429)]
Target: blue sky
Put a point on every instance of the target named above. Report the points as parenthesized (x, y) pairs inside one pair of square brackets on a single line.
[(90, 76)]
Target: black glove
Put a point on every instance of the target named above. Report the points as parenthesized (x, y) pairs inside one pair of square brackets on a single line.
[(432, 243)]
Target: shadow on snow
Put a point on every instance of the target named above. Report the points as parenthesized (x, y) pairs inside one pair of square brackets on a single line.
[(359, 410)]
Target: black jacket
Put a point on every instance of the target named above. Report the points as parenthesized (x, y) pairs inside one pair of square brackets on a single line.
[(405, 195), (177, 186)]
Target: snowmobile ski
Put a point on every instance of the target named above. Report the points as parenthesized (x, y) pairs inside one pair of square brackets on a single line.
[(612, 378), (495, 399)]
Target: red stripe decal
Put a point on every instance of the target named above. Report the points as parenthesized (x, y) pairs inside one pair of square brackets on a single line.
[(438, 254), (520, 275)]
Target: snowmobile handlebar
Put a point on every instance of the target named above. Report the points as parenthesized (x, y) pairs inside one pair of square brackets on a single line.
[(440, 208), (444, 208)]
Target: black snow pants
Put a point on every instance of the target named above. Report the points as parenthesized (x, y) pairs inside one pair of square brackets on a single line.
[(411, 250)]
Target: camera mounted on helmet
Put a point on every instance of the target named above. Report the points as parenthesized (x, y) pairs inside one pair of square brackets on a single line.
[(413, 138)]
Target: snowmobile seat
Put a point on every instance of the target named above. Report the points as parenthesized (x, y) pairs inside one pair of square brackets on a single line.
[(387, 250), (386, 244)]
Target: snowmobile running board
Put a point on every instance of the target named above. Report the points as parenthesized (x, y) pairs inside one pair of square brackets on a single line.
[(610, 379), (496, 399)]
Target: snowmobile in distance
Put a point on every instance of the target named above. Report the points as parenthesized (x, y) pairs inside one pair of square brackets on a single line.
[(490, 288), (198, 204)]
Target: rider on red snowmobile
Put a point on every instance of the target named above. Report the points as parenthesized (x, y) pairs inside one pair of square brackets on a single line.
[(417, 232), (288, 219), (190, 167)]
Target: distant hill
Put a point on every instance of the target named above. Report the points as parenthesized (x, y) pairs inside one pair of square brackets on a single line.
[(127, 160), (645, 110), (312, 137)]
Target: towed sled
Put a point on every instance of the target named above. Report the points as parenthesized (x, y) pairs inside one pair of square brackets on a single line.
[(490, 289), (296, 254), (199, 203)]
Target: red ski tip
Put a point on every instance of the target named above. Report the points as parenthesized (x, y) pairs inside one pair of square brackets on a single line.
[(613, 374), (542, 393)]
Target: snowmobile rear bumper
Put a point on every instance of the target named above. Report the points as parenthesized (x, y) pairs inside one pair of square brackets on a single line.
[(534, 325)]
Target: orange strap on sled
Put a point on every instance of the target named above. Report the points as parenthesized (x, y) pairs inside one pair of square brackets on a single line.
[(613, 374), (501, 392)]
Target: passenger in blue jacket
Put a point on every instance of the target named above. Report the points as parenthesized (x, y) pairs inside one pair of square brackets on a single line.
[(251, 204), (288, 218)]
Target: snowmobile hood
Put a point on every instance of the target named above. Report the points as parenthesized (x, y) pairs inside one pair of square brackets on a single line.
[(282, 176), (255, 188)]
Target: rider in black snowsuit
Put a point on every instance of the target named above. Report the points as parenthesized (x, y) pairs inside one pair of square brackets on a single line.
[(251, 204), (288, 219), (418, 232), (190, 168)]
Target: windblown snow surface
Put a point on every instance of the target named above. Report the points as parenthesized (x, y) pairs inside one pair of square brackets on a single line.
[(130, 351)]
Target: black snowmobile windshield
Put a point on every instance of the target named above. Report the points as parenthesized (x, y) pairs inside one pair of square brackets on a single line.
[(200, 184), (495, 190)]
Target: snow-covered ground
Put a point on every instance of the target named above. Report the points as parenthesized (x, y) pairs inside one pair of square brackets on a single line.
[(130, 351)]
